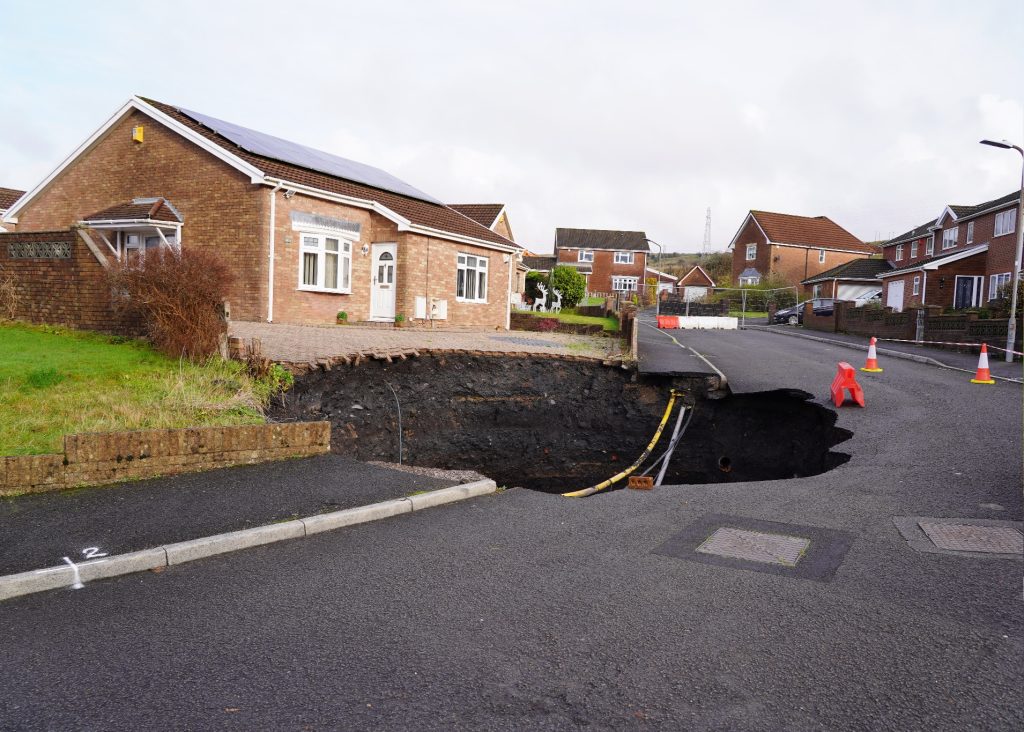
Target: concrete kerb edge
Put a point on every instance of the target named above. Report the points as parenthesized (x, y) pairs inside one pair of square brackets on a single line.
[(62, 576), (884, 351)]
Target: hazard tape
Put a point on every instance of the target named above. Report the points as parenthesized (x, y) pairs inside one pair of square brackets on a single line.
[(950, 343)]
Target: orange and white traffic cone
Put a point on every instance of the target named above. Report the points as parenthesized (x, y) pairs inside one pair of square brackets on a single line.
[(983, 376), (872, 362)]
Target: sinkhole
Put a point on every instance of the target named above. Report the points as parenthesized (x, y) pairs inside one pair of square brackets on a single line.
[(555, 425)]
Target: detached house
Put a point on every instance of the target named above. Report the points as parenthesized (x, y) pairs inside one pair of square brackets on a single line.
[(962, 259), (612, 261), (306, 233), (790, 247)]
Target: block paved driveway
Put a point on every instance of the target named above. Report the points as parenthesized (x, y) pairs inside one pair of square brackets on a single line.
[(304, 343), (530, 611)]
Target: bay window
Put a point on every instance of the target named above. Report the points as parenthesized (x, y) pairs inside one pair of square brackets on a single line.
[(624, 284)]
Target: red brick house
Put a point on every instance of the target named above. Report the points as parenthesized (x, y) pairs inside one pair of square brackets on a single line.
[(962, 259), (791, 248), (307, 233), (695, 284), (612, 261)]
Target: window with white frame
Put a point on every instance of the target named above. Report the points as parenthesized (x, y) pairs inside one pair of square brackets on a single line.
[(970, 232), (821, 256), (326, 263), (749, 280), (816, 292), (929, 247), (751, 252), (917, 285), (624, 284), (1006, 222), (913, 248), (949, 237), (623, 257), (899, 252), (471, 279), (998, 284), (586, 255)]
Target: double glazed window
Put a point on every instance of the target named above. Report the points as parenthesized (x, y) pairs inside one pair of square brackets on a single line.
[(471, 281), (913, 249), (586, 255), (623, 257), (998, 285), (899, 252), (949, 237), (751, 252), (624, 284), (326, 263), (929, 247), (970, 232), (821, 256), (1006, 222), (917, 285)]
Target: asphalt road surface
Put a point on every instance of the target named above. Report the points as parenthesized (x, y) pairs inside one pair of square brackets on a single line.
[(530, 611)]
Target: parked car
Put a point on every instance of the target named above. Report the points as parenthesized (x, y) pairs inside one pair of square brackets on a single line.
[(795, 314), (867, 298)]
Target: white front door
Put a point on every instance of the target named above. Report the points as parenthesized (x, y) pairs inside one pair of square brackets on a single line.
[(894, 295), (382, 282)]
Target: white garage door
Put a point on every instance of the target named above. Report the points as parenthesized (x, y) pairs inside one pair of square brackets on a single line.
[(894, 296)]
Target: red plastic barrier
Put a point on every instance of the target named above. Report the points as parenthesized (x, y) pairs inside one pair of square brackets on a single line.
[(846, 379), (668, 322)]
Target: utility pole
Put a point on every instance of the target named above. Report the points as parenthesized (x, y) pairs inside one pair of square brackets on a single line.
[(707, 234)]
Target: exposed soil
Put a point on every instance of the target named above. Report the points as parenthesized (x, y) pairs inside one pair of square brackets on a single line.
[(556, 425)]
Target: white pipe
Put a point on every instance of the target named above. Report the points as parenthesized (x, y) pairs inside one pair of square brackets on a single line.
[(270, 268)]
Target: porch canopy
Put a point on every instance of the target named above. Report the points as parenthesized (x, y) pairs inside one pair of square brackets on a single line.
[(131, 229)]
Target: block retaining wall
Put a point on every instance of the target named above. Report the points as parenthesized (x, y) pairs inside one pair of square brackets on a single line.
[(109, 457)]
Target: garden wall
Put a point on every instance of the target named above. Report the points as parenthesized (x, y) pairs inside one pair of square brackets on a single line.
[(109, 457), (522, 321)]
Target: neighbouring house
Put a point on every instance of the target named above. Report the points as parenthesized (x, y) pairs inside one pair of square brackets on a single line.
[(790, 248), (306, 233), (962, 259), (695, 284), (492, 215), (542, 263), (8, 197), (612, 261), (666, 282), (854, 280)]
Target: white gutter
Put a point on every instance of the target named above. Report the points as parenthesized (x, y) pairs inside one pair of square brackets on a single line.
[(270, 267), (924, 288)]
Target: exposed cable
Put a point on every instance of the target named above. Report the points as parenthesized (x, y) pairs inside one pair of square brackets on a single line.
[(399, 408)]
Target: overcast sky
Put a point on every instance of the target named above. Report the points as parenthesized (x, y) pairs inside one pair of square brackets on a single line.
[(628, 115)]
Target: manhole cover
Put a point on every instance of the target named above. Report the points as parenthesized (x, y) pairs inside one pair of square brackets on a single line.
[(966, 538), (755, 546)]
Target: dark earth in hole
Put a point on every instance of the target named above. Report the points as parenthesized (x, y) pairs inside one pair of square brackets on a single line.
[(555, 425)]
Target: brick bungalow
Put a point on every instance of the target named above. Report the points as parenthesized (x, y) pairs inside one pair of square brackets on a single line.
[(849, 281), (612, 261), (791, 248), (962, 259), (307, 234), (695, 284)]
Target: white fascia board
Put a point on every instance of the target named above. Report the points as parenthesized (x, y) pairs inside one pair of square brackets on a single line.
[(657, 271), (883, 275), (946, 210), (497, 218), (402, 222), (134, 103), (743, 226), (950, 258), (438, 234), (121, 223), (1001, 207), (702, 271)]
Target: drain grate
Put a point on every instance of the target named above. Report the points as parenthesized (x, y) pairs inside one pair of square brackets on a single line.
[(968, 538), (756, 546)]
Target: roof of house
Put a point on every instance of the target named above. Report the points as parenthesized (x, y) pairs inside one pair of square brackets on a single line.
[(8, 196), (749, 272), (936, 262), (423, 211), (485, 214), (916, 233), (697, 276), (964, 212), (635, 241), (858, 269), (540, 264), (139, 209), (816, 231)]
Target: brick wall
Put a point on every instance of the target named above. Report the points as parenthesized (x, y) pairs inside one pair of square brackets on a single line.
[(793, 264), (826, 323), (223, 211), (750, 234), (110, 457), (70, 291)]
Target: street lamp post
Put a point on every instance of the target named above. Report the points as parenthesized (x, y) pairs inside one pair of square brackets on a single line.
[(657, 280), (1011, 329)]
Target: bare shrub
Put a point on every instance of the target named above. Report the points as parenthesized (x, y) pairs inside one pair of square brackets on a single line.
[(178, 296), (9, 297)]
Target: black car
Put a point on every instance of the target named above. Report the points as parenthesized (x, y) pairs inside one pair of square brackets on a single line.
[(795, 314)]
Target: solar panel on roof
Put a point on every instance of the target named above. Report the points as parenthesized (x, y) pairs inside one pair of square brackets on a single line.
[(269, 146)]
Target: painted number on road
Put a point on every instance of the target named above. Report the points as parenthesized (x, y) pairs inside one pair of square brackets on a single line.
[(92, 552)]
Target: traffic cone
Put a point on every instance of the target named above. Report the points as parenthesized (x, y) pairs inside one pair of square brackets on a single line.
[(872, 362), (983, 376)]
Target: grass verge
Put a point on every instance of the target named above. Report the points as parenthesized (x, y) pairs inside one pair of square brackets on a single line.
[(55, 381)]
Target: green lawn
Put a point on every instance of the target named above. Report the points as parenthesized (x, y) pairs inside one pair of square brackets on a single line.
[(749, 314), (609, 324), (592, 301), (55, 381)]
